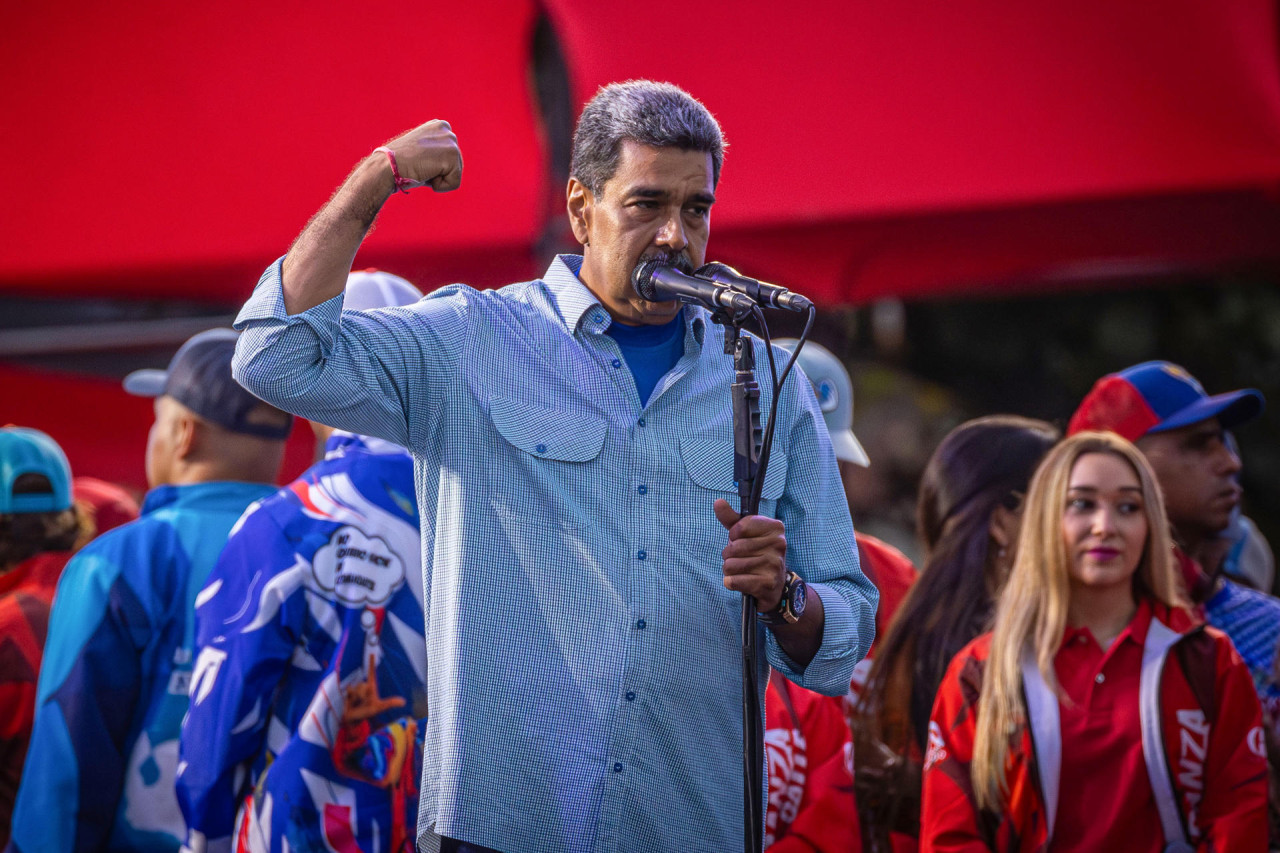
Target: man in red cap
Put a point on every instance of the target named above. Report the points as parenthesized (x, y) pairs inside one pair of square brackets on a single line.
[(1182, 431)]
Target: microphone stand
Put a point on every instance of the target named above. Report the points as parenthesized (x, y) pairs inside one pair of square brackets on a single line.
[(747, 433)]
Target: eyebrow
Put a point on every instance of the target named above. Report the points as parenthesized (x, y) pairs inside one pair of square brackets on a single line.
[(1137, 489), (651, 192)]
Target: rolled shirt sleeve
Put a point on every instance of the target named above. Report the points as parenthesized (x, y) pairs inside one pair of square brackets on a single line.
[(351, 369), (821, 549)]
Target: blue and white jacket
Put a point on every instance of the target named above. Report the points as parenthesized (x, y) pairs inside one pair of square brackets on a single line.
[(113, 686), (311, 668)]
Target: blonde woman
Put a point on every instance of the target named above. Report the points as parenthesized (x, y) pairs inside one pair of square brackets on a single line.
[(1095, 716)]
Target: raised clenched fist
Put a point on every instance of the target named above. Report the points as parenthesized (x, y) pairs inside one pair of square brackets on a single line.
[(429, 155)]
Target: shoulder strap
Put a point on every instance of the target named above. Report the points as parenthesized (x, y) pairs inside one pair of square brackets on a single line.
[(1044, 717), (1160, 639)]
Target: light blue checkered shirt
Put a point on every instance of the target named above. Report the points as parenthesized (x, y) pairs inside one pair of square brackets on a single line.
[(585, 683)]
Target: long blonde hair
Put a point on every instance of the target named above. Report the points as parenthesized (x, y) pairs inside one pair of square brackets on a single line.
[(1032, 611)]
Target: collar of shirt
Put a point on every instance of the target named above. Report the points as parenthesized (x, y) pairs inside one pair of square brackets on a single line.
[(1200, 586), (218, 494), (581, 310), (1135, 631)]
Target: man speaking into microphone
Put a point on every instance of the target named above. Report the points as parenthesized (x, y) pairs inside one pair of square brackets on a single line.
[(573, 450)]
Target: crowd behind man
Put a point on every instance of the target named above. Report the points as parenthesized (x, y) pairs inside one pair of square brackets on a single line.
[(483, 620)]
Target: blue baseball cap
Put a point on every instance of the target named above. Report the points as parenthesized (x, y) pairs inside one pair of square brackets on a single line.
[(199, 377), (30, 451), (1157, 396)]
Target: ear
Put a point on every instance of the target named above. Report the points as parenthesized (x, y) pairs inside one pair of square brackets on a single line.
[(1003, 526), (188, 436), (580, 204)]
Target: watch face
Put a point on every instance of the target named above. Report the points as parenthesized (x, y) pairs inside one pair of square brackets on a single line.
[(798, 595)]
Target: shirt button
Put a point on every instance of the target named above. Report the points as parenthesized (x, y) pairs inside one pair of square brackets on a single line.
[(644, 490), (640, 422), (640, 625), (1099, 678), (640, 555), (541, 448), (617, 767), (616, 363), (631, 696)]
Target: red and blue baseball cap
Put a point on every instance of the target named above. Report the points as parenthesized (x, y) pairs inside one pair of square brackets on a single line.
[(1157, 396)]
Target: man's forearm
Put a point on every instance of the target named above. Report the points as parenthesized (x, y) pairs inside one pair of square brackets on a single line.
[(315, 270), (802, 640)]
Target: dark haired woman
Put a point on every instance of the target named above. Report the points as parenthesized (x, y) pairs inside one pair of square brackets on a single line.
[(967, 518)]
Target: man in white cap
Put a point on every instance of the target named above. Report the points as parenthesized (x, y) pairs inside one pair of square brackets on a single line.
[(886, 566), (310, 678), (810, 807)]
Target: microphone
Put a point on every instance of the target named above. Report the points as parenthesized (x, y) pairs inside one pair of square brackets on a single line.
[(660, 282), (768, 295)]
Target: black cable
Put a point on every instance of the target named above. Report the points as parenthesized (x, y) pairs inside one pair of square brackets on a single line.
[(753, 723), (766, 443)]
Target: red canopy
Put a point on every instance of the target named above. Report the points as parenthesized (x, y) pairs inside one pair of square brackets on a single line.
[(174, 149), (917, 147), (909, 148), (912, 148)]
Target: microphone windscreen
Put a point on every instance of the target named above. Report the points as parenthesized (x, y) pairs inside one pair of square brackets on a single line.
[(642, 279)]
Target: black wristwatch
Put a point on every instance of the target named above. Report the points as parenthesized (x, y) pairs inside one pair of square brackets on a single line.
[(791, 606)]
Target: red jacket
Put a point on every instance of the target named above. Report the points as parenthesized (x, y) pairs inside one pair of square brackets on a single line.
[(26, 594), (810, 790), (893, 574), (1212, 738)]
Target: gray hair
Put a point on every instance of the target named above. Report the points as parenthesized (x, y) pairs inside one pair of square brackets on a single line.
[(660, 115)]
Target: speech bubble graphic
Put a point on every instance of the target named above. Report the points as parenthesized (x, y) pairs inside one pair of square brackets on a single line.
[(358, 570)]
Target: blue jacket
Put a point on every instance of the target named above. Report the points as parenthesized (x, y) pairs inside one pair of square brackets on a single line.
[(310, 677), (113, 686)]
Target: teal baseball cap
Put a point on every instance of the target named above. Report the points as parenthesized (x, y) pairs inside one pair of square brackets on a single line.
[(30, 451)]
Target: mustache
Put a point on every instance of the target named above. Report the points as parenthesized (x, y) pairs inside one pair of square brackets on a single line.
[(679, 260)]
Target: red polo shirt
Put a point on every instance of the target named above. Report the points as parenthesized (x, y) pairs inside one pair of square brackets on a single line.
[(1105, 800)]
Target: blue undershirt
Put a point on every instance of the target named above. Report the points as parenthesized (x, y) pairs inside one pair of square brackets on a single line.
[(649, 351)]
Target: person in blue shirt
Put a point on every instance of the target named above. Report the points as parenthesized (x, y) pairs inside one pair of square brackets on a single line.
[(582, 561), (311, 667), (119, 654)]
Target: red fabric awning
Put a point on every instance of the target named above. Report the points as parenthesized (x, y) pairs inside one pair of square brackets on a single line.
[(173, 150), (917, 148), (102, 429), (910, 149)]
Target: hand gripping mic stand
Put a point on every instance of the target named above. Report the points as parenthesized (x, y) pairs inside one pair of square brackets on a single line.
[(751, 447), (730, 308), (747, 433)]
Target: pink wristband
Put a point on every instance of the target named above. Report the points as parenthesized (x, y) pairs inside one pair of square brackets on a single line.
[(402, 184)]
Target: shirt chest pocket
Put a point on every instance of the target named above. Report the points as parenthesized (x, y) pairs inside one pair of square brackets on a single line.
[(708, 462), (547, 469)]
